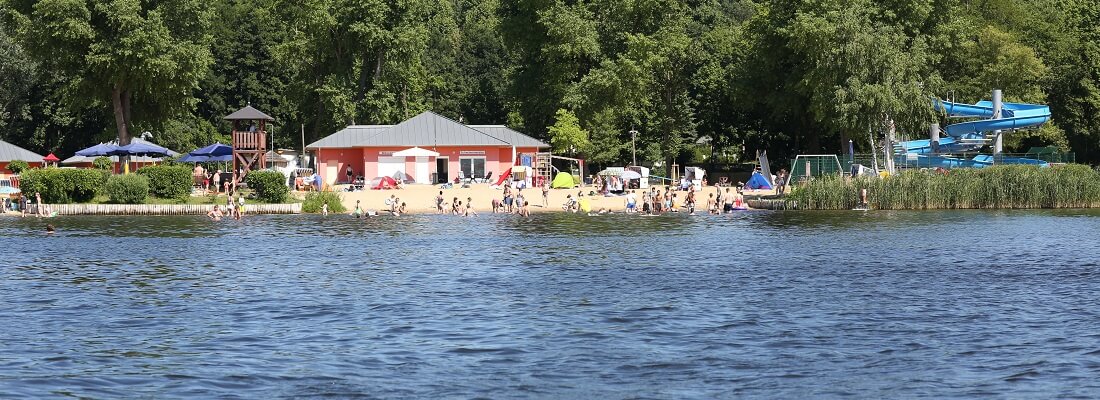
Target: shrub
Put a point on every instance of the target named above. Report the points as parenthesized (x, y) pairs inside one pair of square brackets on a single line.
[(63, 185), (168, 182), (270, 186), (18, 166), (127, 189), (103, 163), (314, 200), (1002, 186)]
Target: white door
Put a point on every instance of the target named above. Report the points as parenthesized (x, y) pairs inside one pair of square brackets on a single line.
[(422, 172), (389, 166)]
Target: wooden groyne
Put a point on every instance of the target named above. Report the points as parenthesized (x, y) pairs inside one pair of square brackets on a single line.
[(772, 204), (166, 209)]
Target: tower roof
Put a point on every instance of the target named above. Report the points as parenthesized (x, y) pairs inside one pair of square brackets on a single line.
[(248, 114)]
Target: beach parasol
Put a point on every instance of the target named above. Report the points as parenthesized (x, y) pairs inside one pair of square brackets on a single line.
[(140, 149), (630, 175), (99, 150), (214, 150), (193, 158)]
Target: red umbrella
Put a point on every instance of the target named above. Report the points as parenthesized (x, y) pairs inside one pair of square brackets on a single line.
[(51, 158)]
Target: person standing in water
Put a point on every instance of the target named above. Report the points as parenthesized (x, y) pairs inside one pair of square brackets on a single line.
[(324, 209), (358, 212), (470, 207), (439, 202)]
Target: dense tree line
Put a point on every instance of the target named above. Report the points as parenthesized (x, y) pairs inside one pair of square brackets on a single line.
[(698, 79)]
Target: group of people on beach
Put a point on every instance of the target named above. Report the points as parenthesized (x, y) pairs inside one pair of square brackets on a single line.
[(24, 205), (234, 208), (656, 202)]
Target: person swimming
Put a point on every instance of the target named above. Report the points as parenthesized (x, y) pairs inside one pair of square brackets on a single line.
[(215, 214), (50, 229)]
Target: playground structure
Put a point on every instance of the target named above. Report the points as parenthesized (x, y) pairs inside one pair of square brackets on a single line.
[(997, 119)]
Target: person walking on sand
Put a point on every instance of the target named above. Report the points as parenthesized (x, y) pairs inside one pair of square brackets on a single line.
[(439, 200), (37, 205), (545, 194), (631, 202)]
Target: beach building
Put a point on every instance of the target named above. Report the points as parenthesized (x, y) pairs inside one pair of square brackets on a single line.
[(10, 152), (427, 148)]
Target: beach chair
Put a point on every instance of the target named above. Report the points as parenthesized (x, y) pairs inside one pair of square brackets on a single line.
[(488, 177)]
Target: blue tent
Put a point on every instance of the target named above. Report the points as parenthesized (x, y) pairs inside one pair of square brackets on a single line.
[(758, 181)]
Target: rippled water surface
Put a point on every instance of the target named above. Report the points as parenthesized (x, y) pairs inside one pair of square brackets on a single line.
[(759, 304)]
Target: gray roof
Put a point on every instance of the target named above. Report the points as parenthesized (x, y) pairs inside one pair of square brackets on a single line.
[(248, 113), (509, 135), (10, 152), (426, 129)]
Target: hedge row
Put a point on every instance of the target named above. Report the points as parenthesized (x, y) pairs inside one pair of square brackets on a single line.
[(168, 182), (63, 185), (127, 189), (270, 186)]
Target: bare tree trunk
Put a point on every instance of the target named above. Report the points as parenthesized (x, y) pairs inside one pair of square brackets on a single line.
[(119, 107), (126, 117)]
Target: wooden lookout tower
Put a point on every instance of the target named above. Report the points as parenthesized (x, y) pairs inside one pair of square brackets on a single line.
[(249, 140)]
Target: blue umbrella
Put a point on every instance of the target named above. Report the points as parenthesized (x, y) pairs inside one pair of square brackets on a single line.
[(192, 158), (141, 149), (216, 150), (8, 190), (99, 150)]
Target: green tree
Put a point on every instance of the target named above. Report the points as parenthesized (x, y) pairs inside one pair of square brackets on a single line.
[(143, 60), (566, 135)]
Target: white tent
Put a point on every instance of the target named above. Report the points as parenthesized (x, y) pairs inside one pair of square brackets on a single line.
[(422, 173)]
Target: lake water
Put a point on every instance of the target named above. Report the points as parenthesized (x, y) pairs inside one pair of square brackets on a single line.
[(759, 304)]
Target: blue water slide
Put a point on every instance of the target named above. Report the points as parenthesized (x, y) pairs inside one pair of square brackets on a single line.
[(1013, 116), (969, 136)]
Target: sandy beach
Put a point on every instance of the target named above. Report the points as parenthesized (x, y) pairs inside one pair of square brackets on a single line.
[(420, 199)]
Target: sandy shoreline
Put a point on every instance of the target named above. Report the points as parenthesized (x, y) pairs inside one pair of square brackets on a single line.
[(420, 199)]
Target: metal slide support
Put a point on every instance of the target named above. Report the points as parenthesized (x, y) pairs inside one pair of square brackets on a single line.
[(934, 137), (998, 139)]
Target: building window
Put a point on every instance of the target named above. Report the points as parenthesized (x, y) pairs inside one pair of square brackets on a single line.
[(472, 167)]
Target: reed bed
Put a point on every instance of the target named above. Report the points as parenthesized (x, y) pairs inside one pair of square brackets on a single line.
[(1002, 186)]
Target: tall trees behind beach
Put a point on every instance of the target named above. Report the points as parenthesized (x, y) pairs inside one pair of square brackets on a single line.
[(694, 79)]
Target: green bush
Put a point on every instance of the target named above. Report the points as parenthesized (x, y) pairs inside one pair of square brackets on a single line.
[(269, 186), (62, 186), (168, 182), (18, 166), (103, 163), (1002, 186), (314, 200), (127, 189)]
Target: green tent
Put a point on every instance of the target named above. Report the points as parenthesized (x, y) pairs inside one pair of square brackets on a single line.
[(563, 181)]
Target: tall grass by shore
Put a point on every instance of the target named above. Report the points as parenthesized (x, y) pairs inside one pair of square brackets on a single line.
[(1003, 186)]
